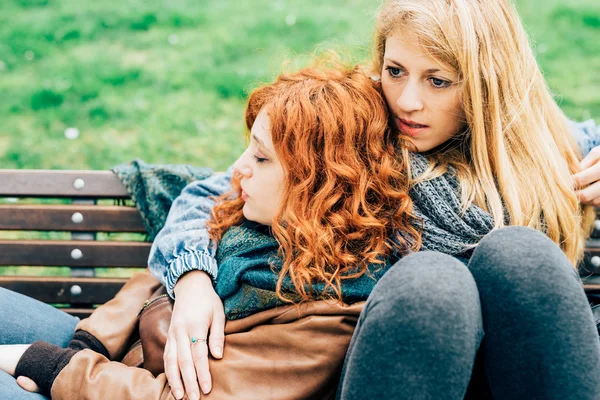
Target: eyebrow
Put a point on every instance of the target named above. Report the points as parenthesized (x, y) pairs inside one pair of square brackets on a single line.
[(260, 142), (429, 71)]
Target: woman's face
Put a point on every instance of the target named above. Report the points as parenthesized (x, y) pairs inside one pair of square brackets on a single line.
[(261, 174), (422, 94)]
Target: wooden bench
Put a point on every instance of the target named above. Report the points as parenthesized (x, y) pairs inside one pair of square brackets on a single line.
[(87, 213), (84, 215)]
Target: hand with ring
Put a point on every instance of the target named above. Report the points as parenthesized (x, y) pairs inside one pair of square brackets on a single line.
[(197, 326)]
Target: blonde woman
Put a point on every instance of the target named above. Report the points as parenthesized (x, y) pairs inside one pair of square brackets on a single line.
[(493, 154), (462, 81)]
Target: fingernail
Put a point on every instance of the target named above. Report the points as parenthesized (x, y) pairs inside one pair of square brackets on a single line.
[(178, 394), (205, 387), (219, 351)]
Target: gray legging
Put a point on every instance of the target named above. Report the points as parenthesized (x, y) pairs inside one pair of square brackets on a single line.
[(513, 324)]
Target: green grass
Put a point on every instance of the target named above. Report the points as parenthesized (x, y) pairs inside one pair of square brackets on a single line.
[(166, 81)]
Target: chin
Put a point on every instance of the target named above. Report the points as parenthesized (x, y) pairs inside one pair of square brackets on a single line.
[(250, 216)]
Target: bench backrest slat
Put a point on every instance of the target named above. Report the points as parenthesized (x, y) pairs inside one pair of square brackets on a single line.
[(61, 184), (74, 218), (83, 291), (74, 253)]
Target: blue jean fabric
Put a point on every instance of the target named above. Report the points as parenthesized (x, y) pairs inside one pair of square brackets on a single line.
[(25, 320)]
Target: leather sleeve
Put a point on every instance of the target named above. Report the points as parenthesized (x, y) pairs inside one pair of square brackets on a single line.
[(114, 322), (280, 354)]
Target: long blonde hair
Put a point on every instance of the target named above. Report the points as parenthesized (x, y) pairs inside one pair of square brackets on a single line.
[(517, 159)]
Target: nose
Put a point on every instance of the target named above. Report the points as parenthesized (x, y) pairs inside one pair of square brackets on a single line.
[(241, 167), (410, 98)]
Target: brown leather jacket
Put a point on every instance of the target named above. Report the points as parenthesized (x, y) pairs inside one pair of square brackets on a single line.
[(282, 353)]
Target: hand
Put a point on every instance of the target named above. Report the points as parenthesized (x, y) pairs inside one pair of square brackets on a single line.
[(198, 310), (588, 180), (10, 354)]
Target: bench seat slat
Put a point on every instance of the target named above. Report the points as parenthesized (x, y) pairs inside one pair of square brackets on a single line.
[(60, 218), (58, 289), (59, 184), (59, 253)]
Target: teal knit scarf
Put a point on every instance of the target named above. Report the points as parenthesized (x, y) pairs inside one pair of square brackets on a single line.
[(249, 267)]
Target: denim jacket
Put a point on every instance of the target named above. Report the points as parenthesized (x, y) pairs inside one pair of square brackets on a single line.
[(184, 245)]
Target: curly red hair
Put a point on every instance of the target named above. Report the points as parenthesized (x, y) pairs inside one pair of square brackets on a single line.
[(345, 203)]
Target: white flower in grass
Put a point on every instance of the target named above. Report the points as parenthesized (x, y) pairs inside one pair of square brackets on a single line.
[(290, 20), (29, 55), (71, 133), (173, 39)]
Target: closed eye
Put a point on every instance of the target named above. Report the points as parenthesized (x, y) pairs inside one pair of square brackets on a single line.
[(260, 159)]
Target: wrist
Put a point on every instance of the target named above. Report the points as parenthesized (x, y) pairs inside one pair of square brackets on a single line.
[(193, 279)]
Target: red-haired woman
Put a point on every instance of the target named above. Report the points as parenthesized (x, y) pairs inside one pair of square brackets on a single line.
[(319, 199)]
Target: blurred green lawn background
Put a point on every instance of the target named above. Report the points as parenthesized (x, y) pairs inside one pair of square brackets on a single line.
[(165, 81)]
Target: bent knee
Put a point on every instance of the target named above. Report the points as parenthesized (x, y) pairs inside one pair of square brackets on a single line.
[(427, 284), (519, 256)]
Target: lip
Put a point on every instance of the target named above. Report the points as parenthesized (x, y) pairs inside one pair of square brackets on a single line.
[(244, 195), (405, 127)]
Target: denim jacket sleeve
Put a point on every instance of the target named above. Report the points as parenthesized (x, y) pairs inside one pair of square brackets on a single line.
[(183, 244), (587, 135)]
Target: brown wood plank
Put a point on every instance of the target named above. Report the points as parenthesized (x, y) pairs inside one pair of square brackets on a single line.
[(591, 287), (59, 253), (60, 218), (60, 183), (80, 313), (65, 290)]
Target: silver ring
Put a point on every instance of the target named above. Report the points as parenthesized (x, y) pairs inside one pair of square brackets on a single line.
[(195, 340)]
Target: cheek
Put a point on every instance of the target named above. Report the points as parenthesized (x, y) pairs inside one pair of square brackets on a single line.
[(278, 186), (388, 93), (451, 113)]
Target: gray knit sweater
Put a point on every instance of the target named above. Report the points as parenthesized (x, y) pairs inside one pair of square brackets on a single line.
[(437, 203)]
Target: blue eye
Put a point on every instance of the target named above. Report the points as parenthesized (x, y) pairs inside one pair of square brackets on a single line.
[(439, 83), (260, 159), (394, 72)]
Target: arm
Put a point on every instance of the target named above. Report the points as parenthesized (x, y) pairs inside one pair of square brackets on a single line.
[(183, 244), (181, 255)]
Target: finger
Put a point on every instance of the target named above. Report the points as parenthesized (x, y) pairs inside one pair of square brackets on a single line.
[(590, 195), (587, 176), (28, 384), (172, 369), (591, 159), (216, 340), (186, 367), (200, 356)]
